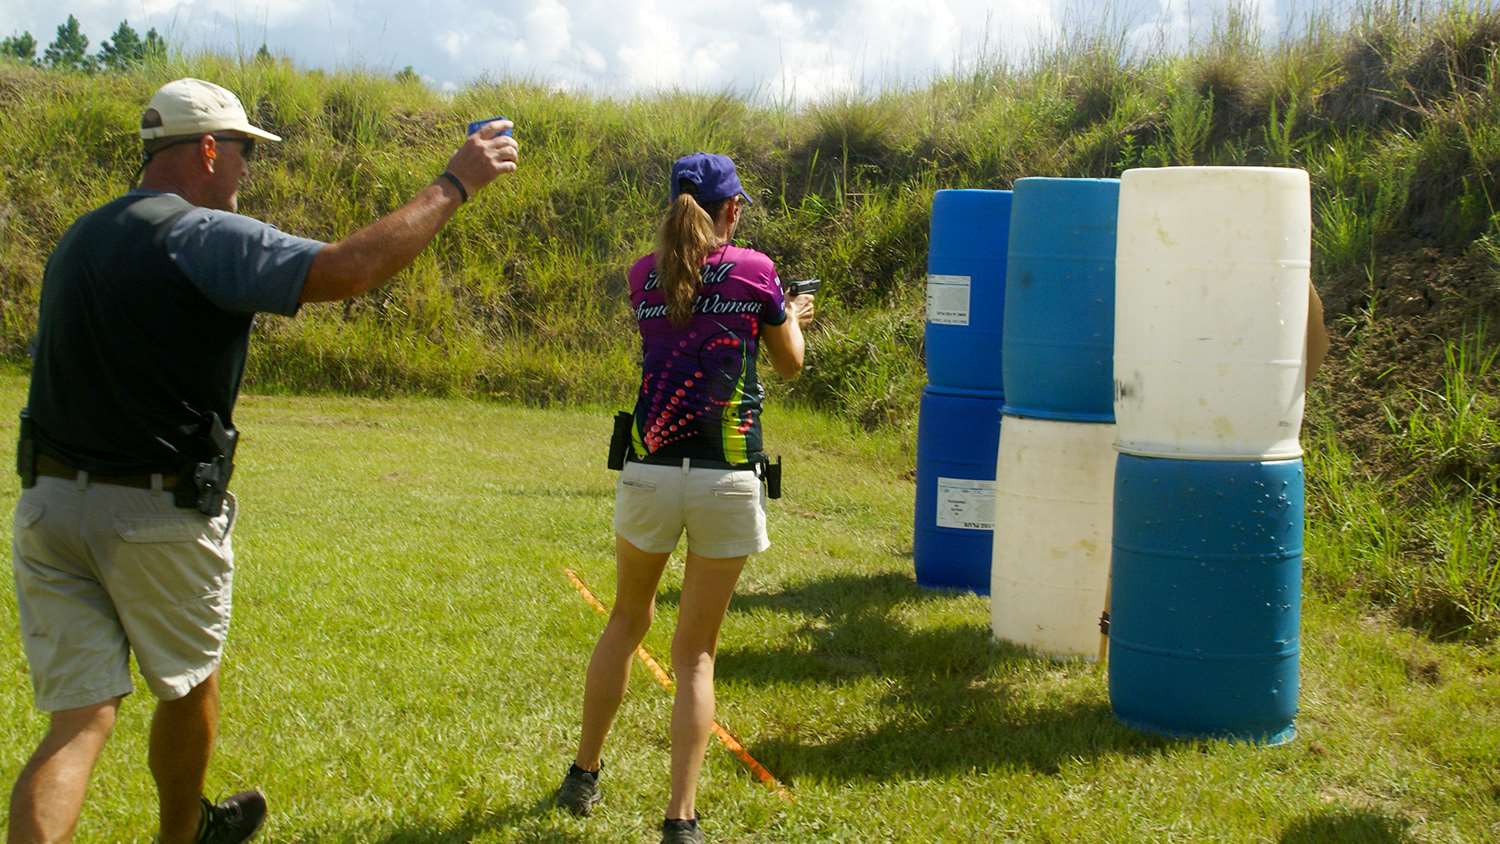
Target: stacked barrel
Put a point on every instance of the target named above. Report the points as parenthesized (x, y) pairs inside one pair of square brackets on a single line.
[(958, 429), (1054, 471), (1210, 320)]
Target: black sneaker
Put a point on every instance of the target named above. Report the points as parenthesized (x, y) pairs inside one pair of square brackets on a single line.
[(232, 820), (681, 832), (580, 790)]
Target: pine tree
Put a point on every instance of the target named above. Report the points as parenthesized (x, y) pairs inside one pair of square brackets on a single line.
[(123, 51), (70, 50), (21, 47), (154, 48), (263, 55), (408, 75)]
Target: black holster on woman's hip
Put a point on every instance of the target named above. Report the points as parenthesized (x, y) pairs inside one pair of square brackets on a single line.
[(619, 440)]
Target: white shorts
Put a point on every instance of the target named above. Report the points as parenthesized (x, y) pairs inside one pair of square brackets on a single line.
[(723, 510)]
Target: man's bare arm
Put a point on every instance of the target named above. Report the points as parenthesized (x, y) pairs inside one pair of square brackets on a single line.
[(369, 257)]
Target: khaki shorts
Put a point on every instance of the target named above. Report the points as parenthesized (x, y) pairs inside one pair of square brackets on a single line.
[(103, 570), (723, 510)]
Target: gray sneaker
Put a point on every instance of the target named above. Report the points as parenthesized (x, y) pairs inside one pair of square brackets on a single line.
[(681, 832), (580, 791)]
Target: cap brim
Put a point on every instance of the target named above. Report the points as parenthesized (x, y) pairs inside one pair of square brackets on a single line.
[(746, 195), (175, 131), (258, 133)]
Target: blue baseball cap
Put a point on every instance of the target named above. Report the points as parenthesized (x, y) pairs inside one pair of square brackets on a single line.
[(711, 175)]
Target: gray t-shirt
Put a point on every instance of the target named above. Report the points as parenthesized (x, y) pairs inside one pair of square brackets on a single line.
[(241, 264)]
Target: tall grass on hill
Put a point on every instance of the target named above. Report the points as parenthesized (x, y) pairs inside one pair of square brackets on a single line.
[(1394, 110), (1394, 114), (1426, 543)]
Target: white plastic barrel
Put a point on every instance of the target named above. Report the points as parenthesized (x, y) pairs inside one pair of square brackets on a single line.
[(1054, 506), (1212, 271)]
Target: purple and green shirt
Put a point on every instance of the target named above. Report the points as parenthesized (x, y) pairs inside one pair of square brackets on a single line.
[(700, 396)]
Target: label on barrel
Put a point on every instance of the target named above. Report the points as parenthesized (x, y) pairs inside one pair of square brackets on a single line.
[(948, 299), (965, 504)]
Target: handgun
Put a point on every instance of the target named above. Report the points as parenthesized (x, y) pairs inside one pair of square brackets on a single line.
[(808, 286)]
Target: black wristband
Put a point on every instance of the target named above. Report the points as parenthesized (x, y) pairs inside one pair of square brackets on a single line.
[(463, 194)]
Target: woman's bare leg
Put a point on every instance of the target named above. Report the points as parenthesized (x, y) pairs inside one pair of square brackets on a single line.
[(637, 573), (707, 585)]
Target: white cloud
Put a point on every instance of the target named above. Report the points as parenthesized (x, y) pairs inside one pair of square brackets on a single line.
[(786, 19), (1176, 25), (453, 43), (549, 30), (812, 48), (592, 59)]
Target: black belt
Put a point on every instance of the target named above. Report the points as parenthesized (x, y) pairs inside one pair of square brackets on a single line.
[(693, 462), (51, 467)]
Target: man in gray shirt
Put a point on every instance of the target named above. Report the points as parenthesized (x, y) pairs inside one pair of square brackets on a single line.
[(122, 531)]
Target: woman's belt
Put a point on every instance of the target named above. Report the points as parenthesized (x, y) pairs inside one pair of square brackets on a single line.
[(621, 451), (693, 462)]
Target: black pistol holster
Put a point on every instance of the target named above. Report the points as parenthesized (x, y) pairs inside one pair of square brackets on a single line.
[(770, 473), (619, 440), (26, 451), (203, 480)]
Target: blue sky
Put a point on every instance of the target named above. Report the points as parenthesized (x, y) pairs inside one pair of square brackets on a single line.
[(801, 51)]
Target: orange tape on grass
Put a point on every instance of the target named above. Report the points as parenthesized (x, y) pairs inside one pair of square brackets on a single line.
[(726, 738)]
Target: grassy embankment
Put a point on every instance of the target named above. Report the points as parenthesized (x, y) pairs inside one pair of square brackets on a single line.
[(1395, 113), (407, 661)]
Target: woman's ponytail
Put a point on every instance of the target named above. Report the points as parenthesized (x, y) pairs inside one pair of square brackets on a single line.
[(686, 236)]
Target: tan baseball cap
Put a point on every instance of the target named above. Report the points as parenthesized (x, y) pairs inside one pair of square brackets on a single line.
[(194, 107)]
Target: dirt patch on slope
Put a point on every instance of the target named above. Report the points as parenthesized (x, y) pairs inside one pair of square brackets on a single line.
[(1388, 337)]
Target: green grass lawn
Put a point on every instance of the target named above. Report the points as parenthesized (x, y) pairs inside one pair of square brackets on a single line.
[(407, 658)]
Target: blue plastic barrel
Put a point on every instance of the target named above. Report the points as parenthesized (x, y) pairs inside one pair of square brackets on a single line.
[(1059, 324), (1207, 574), (958, 437), (966, 290)]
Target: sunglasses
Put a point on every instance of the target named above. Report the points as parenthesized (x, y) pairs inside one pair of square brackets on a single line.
[(247, 145)]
